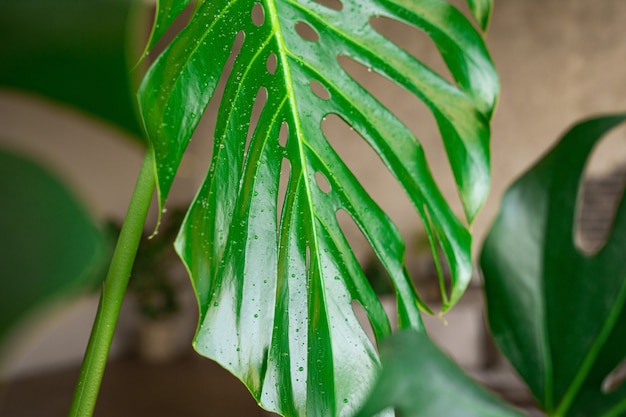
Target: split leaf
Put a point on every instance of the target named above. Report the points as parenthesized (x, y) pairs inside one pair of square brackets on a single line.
[(275, 276), (558, 313)]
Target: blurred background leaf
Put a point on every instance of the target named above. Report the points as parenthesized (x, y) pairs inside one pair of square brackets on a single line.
[(556, 312), (49, 245), (73, 51), (419, 380)]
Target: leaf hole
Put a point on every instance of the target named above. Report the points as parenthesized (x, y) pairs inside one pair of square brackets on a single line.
[(322, 182), (174, 29), (272, 63), (356, 239), (307, 32), (365, 255), (331, 4), (307, 257), (283, 135), (258, 14), (604, 182), (437, 286), (364, 321), (615, 378), (378, 276), (413, 41), (413, 113), (283, 185), (372, 173), (257, 108), (201, 151), (319, 90)]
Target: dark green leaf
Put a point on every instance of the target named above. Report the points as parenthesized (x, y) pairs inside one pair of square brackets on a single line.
[(276, 280), (49, 246), (72, 51), (556, 312), (419, 380)]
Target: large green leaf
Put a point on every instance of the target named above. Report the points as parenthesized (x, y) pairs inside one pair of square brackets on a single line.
[(419, 380), (276, 280), (556, 312), (49, 246), (72, 51)]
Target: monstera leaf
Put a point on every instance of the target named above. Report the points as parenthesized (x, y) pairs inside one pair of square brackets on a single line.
[(556, 312), (419, 380), (273, 272)]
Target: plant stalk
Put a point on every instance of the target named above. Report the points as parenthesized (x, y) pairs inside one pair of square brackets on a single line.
[(113, 290)]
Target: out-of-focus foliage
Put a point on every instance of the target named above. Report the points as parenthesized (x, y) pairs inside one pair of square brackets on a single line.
[(49, 245), (556, 312), (75, 52)]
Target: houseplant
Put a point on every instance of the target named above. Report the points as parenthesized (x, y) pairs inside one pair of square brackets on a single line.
[(420, 346), (462, 112), (308, 351)]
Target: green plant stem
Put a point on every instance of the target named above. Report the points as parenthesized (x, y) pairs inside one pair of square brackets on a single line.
[(113, 290)]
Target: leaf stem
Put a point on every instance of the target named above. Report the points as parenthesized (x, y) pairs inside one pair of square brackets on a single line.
[(113, 290)]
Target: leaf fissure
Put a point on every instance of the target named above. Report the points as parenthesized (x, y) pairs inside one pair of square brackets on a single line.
[(415, 193)]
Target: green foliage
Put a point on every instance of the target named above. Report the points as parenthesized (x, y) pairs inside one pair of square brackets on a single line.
[(74, 52), (558, 313), (419, 380), (274, 274), (50, 249), (482, 11)]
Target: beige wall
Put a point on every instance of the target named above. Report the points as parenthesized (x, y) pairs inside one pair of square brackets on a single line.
[(558, 61)]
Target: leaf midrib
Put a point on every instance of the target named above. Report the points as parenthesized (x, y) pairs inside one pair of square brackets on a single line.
[(298, 131), (592, 353)]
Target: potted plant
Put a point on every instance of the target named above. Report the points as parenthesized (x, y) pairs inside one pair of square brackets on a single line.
[(275, 279)]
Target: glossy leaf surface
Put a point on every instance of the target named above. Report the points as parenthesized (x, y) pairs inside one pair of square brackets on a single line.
[(274, 274), (419, 380), (71, 51), (49, 246), (558, 313)]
